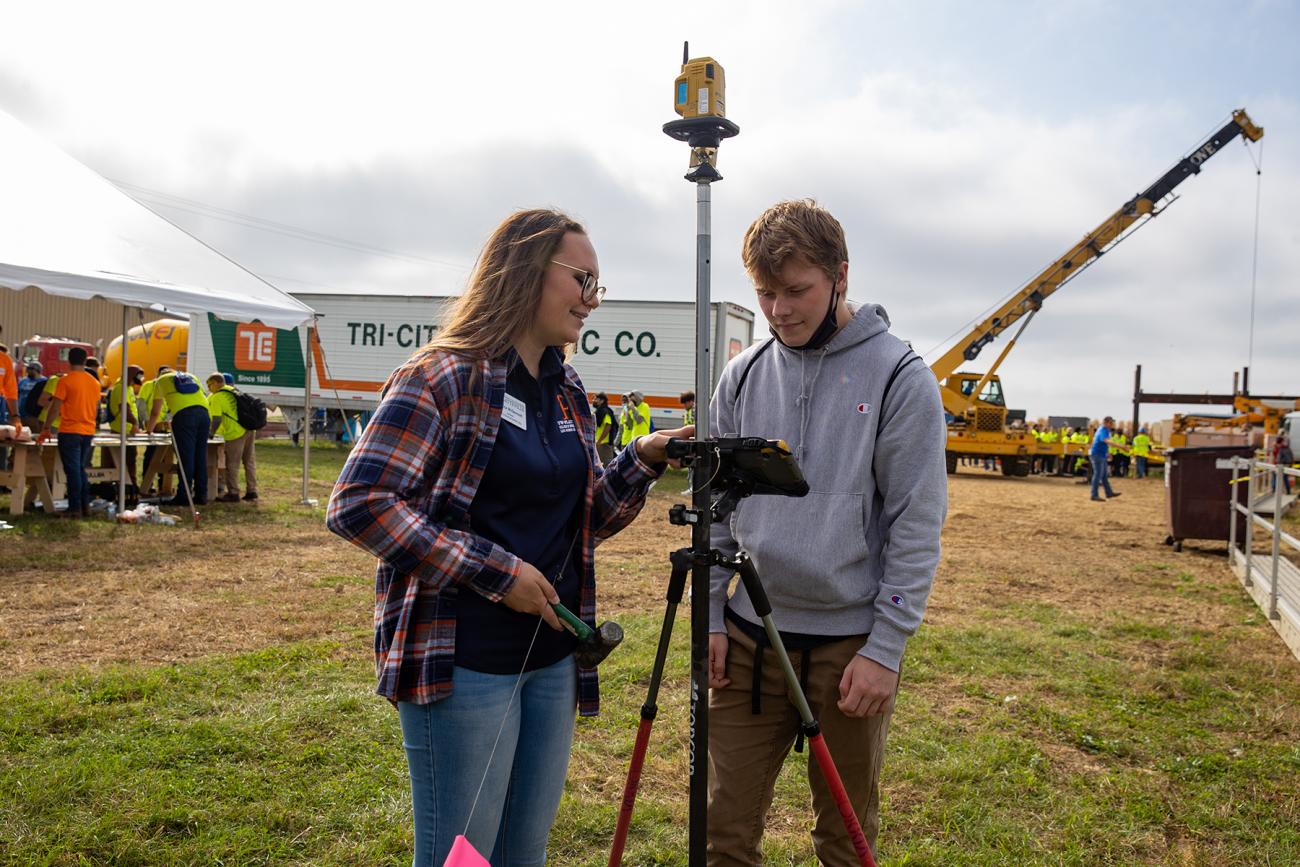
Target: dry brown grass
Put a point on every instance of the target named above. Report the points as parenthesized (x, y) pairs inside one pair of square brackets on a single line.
[(230, 586)]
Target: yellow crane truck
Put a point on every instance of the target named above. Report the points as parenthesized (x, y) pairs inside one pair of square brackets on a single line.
[(975, 402), (1249, 412)]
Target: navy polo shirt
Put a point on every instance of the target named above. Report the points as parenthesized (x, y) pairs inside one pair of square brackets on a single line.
[(530, 503)]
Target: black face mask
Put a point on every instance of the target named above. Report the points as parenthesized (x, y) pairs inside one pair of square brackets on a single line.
[(824, 332)]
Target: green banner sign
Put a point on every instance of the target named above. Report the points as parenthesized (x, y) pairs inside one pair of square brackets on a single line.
[(256, 354)]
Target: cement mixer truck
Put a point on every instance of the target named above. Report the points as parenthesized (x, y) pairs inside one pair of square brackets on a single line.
[(164, 341)]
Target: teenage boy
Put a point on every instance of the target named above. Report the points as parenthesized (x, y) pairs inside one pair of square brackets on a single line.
[(113, 407), (847, 568), (1099, 457), (188, 406), (606, 427), (76, 406), (34, 379), (240, 443), (10, 406), (640, 414)]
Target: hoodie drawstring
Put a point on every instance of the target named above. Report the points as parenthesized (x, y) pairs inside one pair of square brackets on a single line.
[(804, 398)]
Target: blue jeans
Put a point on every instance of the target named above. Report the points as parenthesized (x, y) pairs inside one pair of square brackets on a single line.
[(447, 747), (74, 451), (190, 426), (1142, 467), (1099, 473)]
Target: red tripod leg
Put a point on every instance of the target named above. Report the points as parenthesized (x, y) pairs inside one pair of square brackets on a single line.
[(630, 790), (681, 560), (817, 742)]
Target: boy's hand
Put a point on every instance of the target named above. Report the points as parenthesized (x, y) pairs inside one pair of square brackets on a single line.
[(718, 644), (866, 688)]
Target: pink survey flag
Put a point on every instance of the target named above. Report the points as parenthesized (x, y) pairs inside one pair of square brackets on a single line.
[(462, 854)]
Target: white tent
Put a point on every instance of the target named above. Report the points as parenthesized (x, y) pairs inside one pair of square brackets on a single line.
[(67, 231)]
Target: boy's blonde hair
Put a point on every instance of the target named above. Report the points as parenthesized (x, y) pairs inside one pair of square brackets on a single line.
[(799, 227)]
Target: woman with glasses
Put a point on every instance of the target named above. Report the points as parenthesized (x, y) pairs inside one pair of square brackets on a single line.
[(477, 486)]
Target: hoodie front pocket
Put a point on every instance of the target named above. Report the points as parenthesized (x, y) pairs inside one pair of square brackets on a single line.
[(811, 551)]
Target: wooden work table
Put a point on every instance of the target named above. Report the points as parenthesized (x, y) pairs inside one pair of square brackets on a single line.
[(37, 472)]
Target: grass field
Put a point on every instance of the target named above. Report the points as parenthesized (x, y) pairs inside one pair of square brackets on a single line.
[(1080, 694)]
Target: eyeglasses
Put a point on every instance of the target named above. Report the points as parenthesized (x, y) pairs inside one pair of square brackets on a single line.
[(590, 291)]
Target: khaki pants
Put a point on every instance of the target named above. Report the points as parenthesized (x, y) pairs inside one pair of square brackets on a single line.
[(746, 753), (242, 450)]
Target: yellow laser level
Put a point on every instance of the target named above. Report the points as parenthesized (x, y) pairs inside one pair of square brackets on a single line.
[(701, 102), (701, 88)]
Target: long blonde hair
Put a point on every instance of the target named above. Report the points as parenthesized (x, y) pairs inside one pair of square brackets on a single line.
[(505, 288)]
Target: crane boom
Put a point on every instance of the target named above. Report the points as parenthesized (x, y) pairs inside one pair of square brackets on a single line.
[(1135, 211)]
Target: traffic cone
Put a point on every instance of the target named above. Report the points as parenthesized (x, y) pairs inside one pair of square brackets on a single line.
[(463, 854)]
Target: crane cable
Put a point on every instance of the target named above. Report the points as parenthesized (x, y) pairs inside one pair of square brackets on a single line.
[(1254, 262)]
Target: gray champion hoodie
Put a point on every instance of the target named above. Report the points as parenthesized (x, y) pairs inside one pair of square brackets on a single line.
[(858, 553)]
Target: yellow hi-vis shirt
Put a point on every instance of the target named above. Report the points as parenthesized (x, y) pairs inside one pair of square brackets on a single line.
[(144, 397), (164, 389), (222, 405), (50, 385), (115, 408), (626, 424), (641, 412), (1141, 445)]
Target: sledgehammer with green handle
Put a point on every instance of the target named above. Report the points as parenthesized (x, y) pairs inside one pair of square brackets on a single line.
[(593, 644)]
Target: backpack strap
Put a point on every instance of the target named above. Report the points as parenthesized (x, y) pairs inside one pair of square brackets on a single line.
[(752, 359), (235, 400), (908, 358)]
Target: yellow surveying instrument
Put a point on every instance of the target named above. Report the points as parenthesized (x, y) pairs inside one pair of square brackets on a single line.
[(701, 88), (700, 97)]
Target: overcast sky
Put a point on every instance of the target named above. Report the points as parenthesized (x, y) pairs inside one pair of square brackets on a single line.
[(964, 146)]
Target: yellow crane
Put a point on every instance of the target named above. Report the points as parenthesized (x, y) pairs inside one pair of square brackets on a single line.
[(1250, 412), (975, 402)]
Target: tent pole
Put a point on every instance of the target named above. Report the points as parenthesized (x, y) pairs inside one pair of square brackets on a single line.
[(306, 421), (122, 416)]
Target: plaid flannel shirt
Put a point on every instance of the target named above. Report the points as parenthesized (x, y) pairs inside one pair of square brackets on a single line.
[(404, 495)]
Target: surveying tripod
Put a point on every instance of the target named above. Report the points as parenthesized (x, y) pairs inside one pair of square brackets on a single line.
[(741, 467)]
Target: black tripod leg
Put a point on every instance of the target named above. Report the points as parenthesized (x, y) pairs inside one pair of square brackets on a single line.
[(681, 561), (763, 608)]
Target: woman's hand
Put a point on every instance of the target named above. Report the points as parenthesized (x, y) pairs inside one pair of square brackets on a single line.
[(533, 594), (652, 448)]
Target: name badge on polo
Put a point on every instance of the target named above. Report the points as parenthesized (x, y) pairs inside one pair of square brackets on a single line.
[(515, 412)]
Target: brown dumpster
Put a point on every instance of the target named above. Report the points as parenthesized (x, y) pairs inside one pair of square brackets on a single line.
[(1198, 488)]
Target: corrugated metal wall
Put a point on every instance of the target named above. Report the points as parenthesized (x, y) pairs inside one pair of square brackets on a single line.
[(32, 311)]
